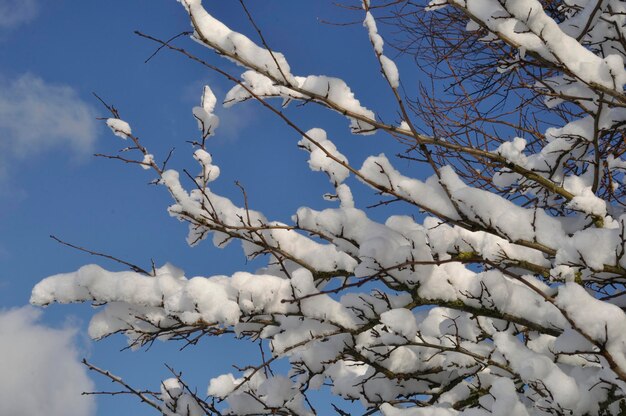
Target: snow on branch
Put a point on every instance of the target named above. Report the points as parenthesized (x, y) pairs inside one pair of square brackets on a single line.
[(499, 288)]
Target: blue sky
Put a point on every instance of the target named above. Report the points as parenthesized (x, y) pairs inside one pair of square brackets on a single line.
[(54, 54)]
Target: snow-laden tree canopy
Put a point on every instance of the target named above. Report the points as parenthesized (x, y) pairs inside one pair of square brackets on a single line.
[(506, 297)]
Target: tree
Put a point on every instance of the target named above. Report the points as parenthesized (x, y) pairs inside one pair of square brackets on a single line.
[(506, 297)]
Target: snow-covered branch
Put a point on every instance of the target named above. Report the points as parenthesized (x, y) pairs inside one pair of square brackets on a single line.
[(502, 287)]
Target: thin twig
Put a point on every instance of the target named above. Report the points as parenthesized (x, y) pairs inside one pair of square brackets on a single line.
[(132, 266)]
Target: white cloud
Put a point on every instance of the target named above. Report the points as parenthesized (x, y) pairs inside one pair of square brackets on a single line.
[(40, 373), (36, 116), (15, 12)]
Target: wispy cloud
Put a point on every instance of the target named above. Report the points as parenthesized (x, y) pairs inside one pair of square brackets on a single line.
[(16, 12), (36, 116), (40, 369)]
